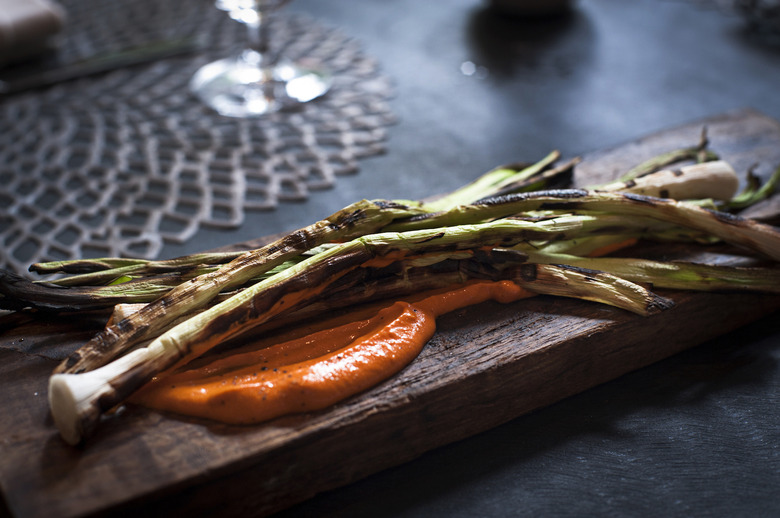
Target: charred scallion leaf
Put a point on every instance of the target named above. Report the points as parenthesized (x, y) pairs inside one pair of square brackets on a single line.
[(679, 275), (357, 219), (731, 229), (698, 153), (78, 400)]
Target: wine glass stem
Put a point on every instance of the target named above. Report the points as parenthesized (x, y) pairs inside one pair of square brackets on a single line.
[(258, 39)]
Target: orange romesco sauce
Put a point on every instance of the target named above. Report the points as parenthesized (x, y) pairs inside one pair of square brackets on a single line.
[(614, 247), (311, 371)]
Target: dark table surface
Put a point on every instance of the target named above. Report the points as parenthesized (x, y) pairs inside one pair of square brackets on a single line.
[(697, 434)]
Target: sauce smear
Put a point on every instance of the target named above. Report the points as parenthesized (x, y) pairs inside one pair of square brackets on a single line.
[(311, 371)]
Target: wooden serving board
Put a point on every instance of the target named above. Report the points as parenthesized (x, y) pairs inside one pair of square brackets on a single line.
[(486, 365)]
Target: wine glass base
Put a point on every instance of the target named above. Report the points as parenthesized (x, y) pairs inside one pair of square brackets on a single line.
[(235, 88)]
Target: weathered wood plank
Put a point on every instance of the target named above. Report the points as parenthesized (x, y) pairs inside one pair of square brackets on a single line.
[(486, 365)]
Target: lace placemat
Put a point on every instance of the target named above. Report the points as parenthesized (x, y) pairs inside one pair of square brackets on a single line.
[(118, 164)]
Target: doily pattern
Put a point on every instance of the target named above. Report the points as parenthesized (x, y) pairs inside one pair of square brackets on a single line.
[(118, 164)]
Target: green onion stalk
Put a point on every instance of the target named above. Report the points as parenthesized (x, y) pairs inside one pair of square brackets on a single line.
[(78, 400)]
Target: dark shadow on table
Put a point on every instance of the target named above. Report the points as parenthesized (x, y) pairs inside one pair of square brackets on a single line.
[(509, 45)]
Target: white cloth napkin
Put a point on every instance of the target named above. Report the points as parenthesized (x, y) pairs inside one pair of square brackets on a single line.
[(27, 26)]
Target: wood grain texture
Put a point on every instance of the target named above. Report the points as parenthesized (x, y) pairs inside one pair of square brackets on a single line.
[(486, 365)]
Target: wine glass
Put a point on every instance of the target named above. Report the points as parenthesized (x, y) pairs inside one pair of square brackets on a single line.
[(257, 81)]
